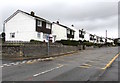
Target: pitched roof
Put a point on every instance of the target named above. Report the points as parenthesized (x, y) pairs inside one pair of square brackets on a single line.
[(64, 26), (37, 17)]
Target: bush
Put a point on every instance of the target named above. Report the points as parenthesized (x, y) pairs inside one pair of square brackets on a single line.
[(35, 41), (87, 43), (3, 37), (69, 42)]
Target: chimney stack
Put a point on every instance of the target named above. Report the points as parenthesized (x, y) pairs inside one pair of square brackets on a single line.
[(72, 25), (32, 13), (57, 22)]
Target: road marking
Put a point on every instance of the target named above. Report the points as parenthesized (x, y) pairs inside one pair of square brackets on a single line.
[(34, 60), (48, 71), (108, 65), (4, 64), (42, 59), (11, 63), (8, 65), (39, 59), (1, 66), (87, 65), (91, 61), (84, 66), (16, 63), (24, 61), (29, 61)]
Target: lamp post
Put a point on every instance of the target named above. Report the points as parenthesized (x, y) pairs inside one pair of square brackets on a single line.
[(48, 44), (94, 40), (82, 36), (106, 39)]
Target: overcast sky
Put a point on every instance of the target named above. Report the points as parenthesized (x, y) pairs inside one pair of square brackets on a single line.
[(93, 16)]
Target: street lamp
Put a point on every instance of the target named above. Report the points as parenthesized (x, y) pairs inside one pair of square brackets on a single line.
[(48, 43)]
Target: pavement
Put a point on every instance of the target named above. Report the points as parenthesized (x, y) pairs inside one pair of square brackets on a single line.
[(85, 65), (112, 73)]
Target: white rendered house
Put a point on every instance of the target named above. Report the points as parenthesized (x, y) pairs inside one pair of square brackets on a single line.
[(22, 26), (61, 32)]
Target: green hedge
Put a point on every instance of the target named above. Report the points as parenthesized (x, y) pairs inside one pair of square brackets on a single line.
[(76, 43), (69, 42), (87, 43), (35, 41)]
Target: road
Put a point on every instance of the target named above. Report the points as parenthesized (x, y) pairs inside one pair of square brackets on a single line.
[(85, 65), (112, 73)]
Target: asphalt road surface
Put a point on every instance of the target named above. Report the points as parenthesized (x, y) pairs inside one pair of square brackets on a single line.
[(84, 65)]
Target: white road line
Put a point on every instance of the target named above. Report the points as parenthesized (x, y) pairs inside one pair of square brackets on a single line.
[(42, 59), (4, 64), (11, 63), (16, 63), (29, 61), (1, 66), (39, 59), (48, 70), (8, 65), (24, 62), (34, 60)]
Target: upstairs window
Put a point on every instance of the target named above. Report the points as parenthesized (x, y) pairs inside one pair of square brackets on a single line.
[(72, 32), (80, 32), (12, 35), (68, 31), (39, 23), (48, 25)]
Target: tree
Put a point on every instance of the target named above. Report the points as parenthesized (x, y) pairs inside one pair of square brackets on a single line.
[(3, 37)]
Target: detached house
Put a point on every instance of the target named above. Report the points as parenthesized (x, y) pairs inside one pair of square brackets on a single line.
[(22, 26), (61, 32)]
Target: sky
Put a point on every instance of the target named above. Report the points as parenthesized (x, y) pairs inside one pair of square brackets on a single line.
[(94, 16)]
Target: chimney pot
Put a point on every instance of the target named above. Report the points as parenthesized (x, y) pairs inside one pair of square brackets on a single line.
[(72, 25), (57, 22), (32, 13)]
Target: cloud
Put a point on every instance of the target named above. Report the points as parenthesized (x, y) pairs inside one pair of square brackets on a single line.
[(94, 17), (99, 25)]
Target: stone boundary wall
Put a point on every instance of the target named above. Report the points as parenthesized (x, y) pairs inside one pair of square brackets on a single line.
[(36, 50)]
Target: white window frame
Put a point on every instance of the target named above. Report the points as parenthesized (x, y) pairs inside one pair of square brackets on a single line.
[(44, 36), (12, 35), (72, 32), (38, 35), (68, 31), (48, 25), (39, 23)]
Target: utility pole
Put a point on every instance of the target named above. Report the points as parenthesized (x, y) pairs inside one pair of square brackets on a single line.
[(106, 37)]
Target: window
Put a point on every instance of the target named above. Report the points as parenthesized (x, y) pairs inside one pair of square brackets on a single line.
[(68, 31), (118, 40), (39, 23), (44, 36), (80, 32), (12, 35), (48, 25), (72, 33), (38, 35)]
